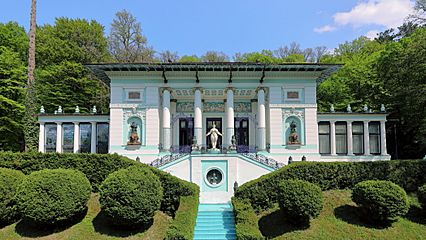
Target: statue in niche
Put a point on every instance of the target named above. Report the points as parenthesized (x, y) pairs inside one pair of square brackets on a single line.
[(294, 137), (214, 133), (134, 138)]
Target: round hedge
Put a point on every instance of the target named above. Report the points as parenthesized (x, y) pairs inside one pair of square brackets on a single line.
[(131, 196), (300, 200), (421, 195), (9, 182), (53, 196), (379, 200)]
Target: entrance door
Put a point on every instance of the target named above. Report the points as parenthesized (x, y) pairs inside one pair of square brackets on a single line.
[(186, 132), (209, 124), (242, 133)]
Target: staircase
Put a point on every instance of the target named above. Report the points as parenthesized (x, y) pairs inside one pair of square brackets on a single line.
[(215, 221)]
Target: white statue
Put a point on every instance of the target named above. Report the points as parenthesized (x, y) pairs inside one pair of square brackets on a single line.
[(213, 135)]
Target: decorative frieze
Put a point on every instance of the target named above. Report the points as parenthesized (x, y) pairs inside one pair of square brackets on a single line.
[(214, 107), (242, 107), (299, 113), (184, 107), (133, 112)]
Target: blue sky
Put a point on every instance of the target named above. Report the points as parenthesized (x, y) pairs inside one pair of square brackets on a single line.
[(195, 26)]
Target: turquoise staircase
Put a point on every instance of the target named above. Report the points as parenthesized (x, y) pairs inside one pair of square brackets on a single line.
[(215, 221)]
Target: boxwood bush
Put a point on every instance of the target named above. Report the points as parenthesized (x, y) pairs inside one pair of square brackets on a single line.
[(300, 200), (9, 182), (421, 195), (382, 201), (131, 196), (246, 222), (53, 196)]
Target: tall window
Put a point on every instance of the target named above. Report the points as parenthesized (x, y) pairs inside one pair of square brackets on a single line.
[(358, 138), (85, 137), (102, 137), (68, 137), (374, 134), (324, 137), (341, 138), (50, 137)]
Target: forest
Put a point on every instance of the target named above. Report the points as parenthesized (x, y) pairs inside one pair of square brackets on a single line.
[(389, 70)]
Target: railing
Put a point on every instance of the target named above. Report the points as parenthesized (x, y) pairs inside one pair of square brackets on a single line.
[(167, 159), (180, 149), (264, 160), (246, 149)]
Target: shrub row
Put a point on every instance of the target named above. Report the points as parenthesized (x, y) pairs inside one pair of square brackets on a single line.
[(9, 181), (262, 192), (421, 194), (246, 222)]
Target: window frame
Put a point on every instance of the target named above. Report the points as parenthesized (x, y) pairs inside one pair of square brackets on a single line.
[(357, 134), (327, 123), (370, 134), (341, 123)]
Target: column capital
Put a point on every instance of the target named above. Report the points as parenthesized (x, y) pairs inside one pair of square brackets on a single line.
[(93, 122), (265, 89), (41, 122), (162, 89), (197, 88), (59, 123), (229, 88), (333, 121), (76, 122)]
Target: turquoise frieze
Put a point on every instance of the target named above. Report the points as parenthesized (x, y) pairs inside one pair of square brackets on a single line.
[(242, 107), (184, 107), (214, 107)]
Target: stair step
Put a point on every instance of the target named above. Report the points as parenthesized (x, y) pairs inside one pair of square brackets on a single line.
[(215, 221)]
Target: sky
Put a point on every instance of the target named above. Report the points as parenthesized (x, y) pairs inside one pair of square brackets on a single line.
[(196, 26)]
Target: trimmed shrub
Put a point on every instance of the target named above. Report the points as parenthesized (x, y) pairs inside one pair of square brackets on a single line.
[(262, 192), (421, 195), (53, 196), (131, 196), (9, 182), (300, 200), (182, 227), (382, 201), (246, 222)]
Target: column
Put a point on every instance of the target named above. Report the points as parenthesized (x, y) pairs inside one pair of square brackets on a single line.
[(93, 138), (261, 128), (333, 137), (349, 134), (59, 137), (166, 120), (76, 137), (198, 117), (366, 139), (229, 116), (41, 138), (383, 150)]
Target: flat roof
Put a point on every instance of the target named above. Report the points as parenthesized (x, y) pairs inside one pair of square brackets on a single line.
[(100, 69)]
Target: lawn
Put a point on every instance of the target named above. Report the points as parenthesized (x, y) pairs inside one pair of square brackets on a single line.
[(340, 220), (92, 226)]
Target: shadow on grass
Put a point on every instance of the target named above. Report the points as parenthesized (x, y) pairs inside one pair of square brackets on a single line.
[(352, 215), (102, 225), (276, 224), (30, 229), (416, 214)]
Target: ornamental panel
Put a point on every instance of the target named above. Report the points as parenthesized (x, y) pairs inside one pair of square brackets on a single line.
[(214, 107), (184, 107)]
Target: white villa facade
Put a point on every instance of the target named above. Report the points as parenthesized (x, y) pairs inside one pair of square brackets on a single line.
[(267, 115)]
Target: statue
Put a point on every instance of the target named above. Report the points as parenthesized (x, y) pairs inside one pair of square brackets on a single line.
[(294, 137), (332, 108), (233, 146), (349, 109), (194, 145), (42, 111), (214, 136), (134, 139)]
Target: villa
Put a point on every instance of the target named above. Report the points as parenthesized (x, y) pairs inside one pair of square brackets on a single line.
[(218, 125)]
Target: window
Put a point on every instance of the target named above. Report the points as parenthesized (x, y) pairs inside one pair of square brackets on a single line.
[(358, 138), (292, 95), (50, 137), (68, 137), (134, 95), (102, 137), (341, 138), (85, 137), (324, 137), (374, 135)]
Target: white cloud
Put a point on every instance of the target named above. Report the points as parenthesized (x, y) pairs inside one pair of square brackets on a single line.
[(323, 29), (372, 34)]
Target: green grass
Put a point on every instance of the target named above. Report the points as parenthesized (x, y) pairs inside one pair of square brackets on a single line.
[(339, 219), (92, 226)]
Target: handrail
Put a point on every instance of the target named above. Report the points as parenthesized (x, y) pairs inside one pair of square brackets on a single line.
[(264, 160), (167, 159)]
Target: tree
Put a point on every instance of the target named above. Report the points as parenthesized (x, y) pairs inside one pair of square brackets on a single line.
[(126, 42), (319, 53), (214, 56), (30, 119), (265, 56), (419, 16), (189, 59), (168, 56)]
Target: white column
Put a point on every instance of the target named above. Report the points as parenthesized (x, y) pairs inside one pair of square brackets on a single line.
[(166, 120), (366, 139), (41, 138), (350, 143), (93, 138), (59, 137), (76, 137), (198, 117), (229, 116), (383, 150), (261, 128), (333, 137)]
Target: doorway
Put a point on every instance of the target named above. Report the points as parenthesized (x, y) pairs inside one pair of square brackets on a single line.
[(209, 125), (242, 133), (186, 133)]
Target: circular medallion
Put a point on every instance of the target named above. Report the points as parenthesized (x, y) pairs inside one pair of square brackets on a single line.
[(214, 177)]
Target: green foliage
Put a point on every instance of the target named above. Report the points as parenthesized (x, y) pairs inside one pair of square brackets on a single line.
[(9, 182), (383, 201), (15, 38), (246, 222), (421, 195), (182, 227), (265, 56), (52, 196), (189, 59), (131, 196), (300, 200), (262, 192)]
